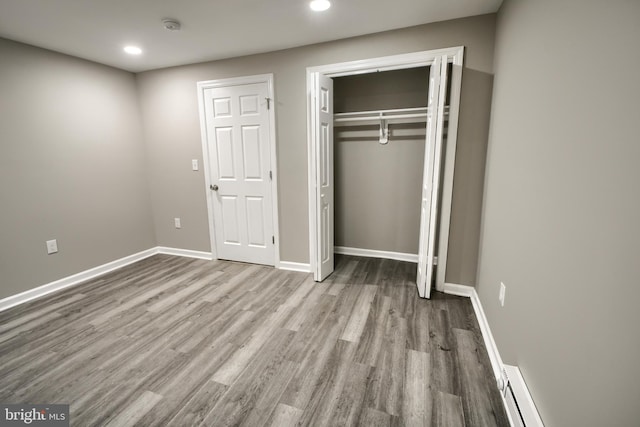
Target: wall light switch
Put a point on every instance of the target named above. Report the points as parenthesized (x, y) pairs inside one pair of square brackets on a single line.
[(194, 164), (52, 246), (176, 221)]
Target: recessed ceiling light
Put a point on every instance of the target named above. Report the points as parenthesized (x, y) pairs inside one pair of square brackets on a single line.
[(133, 50), (320, 5)]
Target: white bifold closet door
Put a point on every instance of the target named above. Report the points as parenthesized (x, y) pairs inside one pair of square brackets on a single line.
[(431, 177), (324, 174), (322, 126)]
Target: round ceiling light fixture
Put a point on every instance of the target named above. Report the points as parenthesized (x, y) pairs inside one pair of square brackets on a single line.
[(171, 24), (133, 50), (320, 5)]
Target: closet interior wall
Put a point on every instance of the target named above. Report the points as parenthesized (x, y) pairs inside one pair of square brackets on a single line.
[(378, 187)]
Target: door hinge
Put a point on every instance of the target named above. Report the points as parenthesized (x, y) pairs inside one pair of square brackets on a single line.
[(270, 175), (268, 103), (273, 239)]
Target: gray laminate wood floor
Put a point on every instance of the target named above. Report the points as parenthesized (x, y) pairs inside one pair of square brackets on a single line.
[(177, 341)]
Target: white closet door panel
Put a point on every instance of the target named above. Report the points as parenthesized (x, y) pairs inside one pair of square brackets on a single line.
[(433, 146), (435, 185), (324, 174)]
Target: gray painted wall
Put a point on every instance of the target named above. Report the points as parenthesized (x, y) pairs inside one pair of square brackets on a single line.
[(72, 167), (170, 114), (378, 187), (560, 224)]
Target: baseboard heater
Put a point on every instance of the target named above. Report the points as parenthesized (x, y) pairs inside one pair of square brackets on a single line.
[(520, 406)]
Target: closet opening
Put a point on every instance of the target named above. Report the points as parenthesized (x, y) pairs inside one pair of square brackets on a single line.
[(381, 158), (378, 166)]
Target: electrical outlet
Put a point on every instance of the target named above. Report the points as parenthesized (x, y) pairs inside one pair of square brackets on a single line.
[(194, 164), (503, 289), (176, 221), (52, 246)]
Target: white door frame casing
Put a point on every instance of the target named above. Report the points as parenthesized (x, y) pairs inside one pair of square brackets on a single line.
[(237, 81), (455, 55)]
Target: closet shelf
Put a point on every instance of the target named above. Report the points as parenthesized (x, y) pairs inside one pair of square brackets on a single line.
[(401, 115), (383, 118)]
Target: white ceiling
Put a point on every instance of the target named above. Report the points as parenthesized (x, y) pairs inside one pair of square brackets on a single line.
[(211, 29)]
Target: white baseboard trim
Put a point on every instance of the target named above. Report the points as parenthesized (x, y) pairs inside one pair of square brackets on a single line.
[(497, 365), (91, 273), (371, 253), (294, 266), (459, 290), (489, 342), (74, 279), (185, 253)]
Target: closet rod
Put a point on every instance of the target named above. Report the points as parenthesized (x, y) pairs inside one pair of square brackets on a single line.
[(369, 118), (403, 113), (377, 112)]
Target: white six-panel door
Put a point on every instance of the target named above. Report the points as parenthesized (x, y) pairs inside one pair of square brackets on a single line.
[(237, 137)]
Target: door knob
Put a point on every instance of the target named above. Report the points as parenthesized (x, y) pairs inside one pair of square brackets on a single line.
[(214, 187)]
